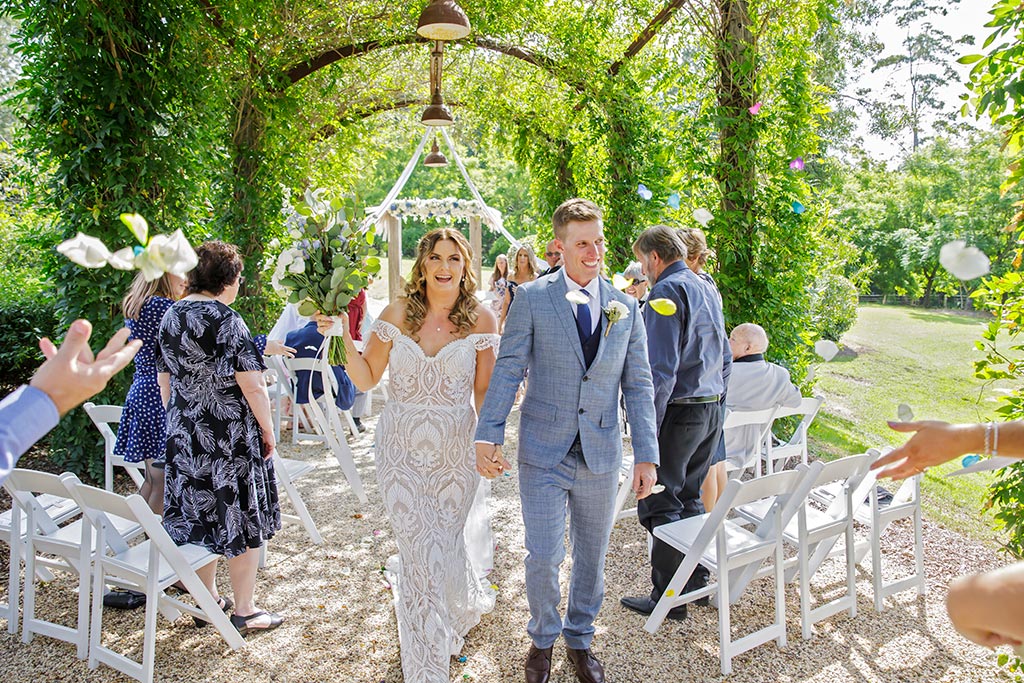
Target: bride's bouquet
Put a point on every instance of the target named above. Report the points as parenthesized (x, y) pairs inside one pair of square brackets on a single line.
[(328, 261)]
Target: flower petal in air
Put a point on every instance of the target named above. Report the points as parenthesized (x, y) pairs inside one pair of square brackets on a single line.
[(969, 460), (798, 208), (755, 109), (904, 413), (123, 259), (662, 306), (576, 297), (826, 348), (702, 216), (177, 254), (962, 261), (797, 164), (644, 193), (673, 200), (619, 282), (810, 375), (86, 251), (138, 225)]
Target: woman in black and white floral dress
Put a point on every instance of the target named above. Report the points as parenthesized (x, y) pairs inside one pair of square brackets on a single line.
[(220, 488)]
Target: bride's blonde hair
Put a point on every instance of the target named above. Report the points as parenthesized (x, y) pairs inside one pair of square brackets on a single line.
[(463, 314)]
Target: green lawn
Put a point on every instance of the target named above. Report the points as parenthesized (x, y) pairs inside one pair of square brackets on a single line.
[(922, 358)]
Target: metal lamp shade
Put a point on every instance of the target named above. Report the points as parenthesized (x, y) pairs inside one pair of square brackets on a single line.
[(436, 113), (435, 159), (443, 20)]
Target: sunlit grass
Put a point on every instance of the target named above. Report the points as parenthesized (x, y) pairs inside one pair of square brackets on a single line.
[(922, 358)]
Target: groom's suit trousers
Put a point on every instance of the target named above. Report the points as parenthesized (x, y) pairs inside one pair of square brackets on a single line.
[(547, 494)]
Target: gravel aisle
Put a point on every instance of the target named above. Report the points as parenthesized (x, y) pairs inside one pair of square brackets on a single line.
[(341, 625)]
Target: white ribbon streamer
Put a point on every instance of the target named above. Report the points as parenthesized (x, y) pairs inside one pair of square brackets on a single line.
[(329, 424)]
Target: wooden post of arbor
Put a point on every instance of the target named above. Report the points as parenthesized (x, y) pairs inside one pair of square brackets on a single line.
[(392, 226), (476, 241)]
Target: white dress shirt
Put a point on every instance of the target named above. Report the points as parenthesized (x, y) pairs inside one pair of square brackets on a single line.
[(593, 291)]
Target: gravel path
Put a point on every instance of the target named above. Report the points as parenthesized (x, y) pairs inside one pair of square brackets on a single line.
[(341, 624)]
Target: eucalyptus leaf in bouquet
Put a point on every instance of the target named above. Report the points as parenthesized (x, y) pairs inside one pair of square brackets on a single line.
[(328, 260)]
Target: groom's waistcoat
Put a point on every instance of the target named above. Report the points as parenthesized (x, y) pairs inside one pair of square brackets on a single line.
[(570, 391)]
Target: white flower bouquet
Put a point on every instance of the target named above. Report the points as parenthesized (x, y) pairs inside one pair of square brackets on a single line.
[(328, 262)]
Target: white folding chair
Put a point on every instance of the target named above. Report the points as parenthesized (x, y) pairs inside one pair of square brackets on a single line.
[(289, 471), (13, 529), (735, 554), (625, 487), (150, 566), (276, 391), (750, 423), (877, 516), (103, 417), (47, 544), (796, 445), (815, 532)]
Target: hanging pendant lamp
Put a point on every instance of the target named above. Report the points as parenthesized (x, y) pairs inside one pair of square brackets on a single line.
[(443, 20), (435, 159), (436, 113)]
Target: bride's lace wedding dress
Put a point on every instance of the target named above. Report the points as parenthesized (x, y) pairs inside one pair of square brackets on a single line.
[(426, 469)]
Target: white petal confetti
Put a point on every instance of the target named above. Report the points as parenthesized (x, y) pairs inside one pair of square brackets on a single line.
[(904, 413), (826, 348), (575, 297), (962, 261), (702, 216)]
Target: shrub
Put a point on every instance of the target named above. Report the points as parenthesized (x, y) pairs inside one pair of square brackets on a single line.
[(22, 323), (833, 306)]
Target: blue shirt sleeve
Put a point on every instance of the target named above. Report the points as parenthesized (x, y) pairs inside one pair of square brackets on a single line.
[(664, 335), (26, 415)]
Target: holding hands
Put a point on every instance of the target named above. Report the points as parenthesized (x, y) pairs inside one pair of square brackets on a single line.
[(489, 461)]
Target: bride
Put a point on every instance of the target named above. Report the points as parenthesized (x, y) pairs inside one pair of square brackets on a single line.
[(440, 344)]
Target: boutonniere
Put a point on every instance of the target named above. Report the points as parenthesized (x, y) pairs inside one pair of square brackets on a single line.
[(615, 312)]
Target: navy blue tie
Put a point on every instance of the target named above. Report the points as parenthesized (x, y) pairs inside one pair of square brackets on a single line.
[(583, 322)]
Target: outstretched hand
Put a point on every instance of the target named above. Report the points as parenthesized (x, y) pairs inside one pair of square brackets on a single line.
[(71, 374), (933, 443), (277, 348), (489, 461)]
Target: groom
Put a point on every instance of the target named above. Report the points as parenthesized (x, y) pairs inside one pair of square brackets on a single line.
[(570, 445)]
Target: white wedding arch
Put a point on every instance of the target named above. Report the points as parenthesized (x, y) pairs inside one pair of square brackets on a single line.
[(388, 214)]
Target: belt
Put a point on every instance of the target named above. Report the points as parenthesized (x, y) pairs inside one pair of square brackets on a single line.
[(694, 399)]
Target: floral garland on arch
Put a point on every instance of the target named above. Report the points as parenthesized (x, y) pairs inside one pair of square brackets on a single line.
[(448, 208)]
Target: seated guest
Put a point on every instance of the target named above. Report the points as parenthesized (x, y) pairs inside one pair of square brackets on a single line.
[(755, 384), (638, 283), (307, 341)]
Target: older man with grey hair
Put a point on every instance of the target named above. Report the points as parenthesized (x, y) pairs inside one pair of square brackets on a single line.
[(755, 384)]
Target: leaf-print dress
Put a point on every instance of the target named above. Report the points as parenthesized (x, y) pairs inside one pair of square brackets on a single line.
[(220, 493)]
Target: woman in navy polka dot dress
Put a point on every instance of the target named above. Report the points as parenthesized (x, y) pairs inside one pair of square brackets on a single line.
[(142, 433)]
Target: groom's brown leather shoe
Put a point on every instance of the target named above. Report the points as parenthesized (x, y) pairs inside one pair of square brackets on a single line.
[(538, 665), (588, 669)]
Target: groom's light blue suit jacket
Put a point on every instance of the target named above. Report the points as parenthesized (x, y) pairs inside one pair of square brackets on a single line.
[(563, 397)]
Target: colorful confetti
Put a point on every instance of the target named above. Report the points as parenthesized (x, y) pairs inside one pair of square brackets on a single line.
[(826, 348), (673, 200), (462, 659), (970, 460), (798, 208), (755, 109), (904, 413), (702, 216), (644, 193), (797, 164)]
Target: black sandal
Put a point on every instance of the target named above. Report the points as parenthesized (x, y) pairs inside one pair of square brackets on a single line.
[(225, 605), (242, 623)]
